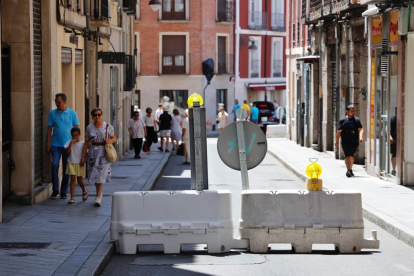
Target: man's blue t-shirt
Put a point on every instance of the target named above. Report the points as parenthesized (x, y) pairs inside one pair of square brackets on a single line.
[(236, 106), (254, 111), (62, 123)]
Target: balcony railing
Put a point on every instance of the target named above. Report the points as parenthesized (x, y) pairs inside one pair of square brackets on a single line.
[(315, 11), (278, 22), (327, 8), (100, 10), (130, 6), (277, 68), (254, 68), (224, 63), (225, 11), (173, 10), (257, 20), (173, 63)]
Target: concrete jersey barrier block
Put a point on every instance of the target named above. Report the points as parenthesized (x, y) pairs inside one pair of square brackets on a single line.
[(172, 218), (303, 218)]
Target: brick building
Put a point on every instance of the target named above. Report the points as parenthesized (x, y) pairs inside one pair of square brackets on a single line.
[(261, 74), (173, 42)]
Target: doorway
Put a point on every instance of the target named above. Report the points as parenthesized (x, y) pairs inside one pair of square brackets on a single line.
[(385, 151), (6, 119)]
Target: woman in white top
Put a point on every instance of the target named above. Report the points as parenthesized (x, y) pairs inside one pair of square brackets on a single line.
[(223, 118), (151, 125), (176, 129)]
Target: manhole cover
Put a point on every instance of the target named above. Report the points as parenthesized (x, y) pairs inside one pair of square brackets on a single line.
[(23, 245)]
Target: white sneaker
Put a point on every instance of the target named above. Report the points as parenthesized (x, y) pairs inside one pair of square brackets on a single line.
[(98, 201)]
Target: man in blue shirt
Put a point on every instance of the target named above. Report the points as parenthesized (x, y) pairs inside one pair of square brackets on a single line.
[(254, 114), (61, 121), (236, 106)]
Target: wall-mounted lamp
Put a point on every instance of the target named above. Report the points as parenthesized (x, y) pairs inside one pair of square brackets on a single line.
[(252, 47), (155, 4)]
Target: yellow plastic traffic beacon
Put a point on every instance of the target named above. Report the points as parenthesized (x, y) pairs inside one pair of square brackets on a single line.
[(314, 171)]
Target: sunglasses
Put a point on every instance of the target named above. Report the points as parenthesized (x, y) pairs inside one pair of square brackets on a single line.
[(97, 115)]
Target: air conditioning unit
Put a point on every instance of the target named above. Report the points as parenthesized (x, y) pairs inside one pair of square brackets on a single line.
[(403, 21)]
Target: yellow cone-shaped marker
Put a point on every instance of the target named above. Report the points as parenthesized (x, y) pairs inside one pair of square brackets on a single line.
[(314, 171), (194, 98)]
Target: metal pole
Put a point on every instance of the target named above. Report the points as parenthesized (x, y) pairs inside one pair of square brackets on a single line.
[(242, 155), (204, 93)]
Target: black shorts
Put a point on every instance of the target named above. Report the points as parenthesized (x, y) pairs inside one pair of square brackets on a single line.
[(350, 149)]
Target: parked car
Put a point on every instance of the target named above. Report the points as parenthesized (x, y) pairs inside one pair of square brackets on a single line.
[(267, 115)]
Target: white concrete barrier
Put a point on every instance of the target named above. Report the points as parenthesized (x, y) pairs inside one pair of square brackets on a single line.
[(276, 131), (303, 218), (172, 218)]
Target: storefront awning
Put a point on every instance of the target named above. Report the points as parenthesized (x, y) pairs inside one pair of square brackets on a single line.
[(308, 59), (267, 86)]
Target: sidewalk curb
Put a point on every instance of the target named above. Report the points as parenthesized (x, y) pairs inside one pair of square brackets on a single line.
[(96, 263), (395, 229)]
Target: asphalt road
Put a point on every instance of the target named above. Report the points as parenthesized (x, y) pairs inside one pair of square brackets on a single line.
[(393, 258)]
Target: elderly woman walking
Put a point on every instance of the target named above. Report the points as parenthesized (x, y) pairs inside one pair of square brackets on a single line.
[(137, 132), (97, 135)]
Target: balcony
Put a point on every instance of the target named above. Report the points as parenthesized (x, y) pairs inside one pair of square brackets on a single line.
[(100, 16), (278, 22), (327, 10), (173, 10), (224, 63), (173, 64), (225, 11), (130, 6), (315, 11), (257, 21), (254, 68), (277, 68)]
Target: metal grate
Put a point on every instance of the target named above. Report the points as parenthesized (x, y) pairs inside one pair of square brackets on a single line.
[(384, 59), (38, 102)]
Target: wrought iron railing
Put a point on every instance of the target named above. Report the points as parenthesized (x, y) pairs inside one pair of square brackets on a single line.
[(315, 10), (100, 10), (327, 8), (254, 68), (277, 68), (257, 20), (173, 10), (225, 11), (278, 22), (225, 63)]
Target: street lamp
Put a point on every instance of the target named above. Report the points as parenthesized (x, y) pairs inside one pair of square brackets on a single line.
[(252, 47), (155, 4)]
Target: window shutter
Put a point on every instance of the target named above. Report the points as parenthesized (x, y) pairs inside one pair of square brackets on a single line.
[(173, 44)]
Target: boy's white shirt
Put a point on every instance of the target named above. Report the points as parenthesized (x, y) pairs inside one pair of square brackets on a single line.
[(75, 152)]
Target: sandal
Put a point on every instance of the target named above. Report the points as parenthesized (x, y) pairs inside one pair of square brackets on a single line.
[(71, 201), (85, 195)]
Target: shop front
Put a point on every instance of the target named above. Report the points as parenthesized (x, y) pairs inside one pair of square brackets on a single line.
[(383, 131)]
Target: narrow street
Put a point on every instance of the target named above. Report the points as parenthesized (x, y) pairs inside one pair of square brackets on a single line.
[(393, 258)]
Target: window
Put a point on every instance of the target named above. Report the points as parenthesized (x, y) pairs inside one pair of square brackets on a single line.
[(278, 16), (257, 18), (225, 11), (173, 10), (254, 59), (177, 99), (221, 98), (277, 60), (222, 56), (173, 54)]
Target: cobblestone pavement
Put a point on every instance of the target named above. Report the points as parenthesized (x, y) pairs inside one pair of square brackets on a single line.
[(54, 238)]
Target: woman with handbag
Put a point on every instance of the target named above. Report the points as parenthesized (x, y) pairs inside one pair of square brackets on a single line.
[(99, 137), (151, 136)]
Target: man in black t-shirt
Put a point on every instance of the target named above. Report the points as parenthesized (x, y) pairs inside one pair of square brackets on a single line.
[(165, 122), (351, 132), (393, 141)]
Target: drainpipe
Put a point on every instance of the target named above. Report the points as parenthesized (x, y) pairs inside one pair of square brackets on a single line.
[(338, 81), (265, 55), (320, 89), (347, 100), (86, 54)]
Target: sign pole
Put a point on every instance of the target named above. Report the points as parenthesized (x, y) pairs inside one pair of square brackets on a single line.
[(242, 155)]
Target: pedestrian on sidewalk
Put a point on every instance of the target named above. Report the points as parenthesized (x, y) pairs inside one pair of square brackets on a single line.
[(137, 132), (351, 132), (186, 138), (223, 119), (151, 126), (246, 107), (176, 129), (61, 120), (166, 123), (236, 106), (254, 117), (75, 147), (393, 141), (97, 135)]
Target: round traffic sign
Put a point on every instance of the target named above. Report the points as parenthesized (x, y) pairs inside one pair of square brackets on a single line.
[(254, 141)]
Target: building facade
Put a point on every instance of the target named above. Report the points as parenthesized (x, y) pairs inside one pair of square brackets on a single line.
[(173, 42), (51, 47), (261, 73)]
